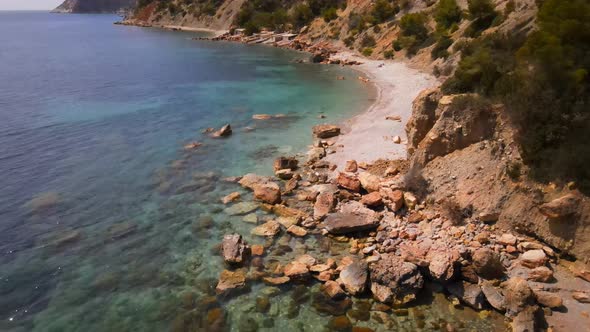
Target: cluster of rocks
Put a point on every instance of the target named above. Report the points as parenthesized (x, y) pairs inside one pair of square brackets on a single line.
[(397, 242)]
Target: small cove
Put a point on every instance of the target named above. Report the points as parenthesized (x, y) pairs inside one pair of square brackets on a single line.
[(108, 224)]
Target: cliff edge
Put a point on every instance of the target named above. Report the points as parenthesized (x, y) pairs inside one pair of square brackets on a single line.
[(95, 6)]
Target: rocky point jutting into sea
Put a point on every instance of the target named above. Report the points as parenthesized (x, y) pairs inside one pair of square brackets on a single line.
[(420, 213)]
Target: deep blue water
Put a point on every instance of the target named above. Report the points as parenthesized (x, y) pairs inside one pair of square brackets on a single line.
[(98, 231)]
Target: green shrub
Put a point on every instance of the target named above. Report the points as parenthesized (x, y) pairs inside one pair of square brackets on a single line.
[(414, 32), (397, 45), (376, 29), (383, 11), (349, 41), (301, 15), (483, 14), (446, 14), (368, 41), (388, 54), (367, 51), (510, 7), (330, 14), (440, 49)]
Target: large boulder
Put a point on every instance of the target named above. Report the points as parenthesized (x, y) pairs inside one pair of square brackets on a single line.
[(533, 258), (494, 296), (349, 181), (442, 264), (323, 205), (518, 295), (234, 249), (268, 192), (289, 163), (487, 264), (326, 131), (352, 217), (468, 293), (354, 277), (394, 280), (369, 181), (561, 207), (526, 320)]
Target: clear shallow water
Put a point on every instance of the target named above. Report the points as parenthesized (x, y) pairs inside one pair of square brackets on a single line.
[(98, 229)]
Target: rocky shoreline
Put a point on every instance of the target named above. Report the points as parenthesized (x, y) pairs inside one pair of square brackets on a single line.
[(397, 242)]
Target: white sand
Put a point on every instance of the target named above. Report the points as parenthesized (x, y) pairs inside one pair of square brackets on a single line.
[(369, 136)]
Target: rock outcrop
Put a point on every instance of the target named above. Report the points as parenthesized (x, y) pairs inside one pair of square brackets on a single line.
[(95, 6)]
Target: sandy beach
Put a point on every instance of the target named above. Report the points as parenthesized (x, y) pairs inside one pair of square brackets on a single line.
[(368, 136)]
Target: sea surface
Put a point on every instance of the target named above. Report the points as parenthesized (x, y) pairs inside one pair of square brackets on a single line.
[(108, 224)]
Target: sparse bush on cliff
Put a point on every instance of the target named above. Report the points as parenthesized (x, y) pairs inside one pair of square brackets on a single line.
[(368, 41), (483, 14), (383, 10), (446, 14), (440, 49), (414, 32), (367, 51), (388, 54)]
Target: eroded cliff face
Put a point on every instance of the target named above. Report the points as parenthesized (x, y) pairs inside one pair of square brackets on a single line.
[(95, 6), (465, 151)]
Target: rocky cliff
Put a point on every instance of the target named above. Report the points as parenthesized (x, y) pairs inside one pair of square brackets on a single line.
[(95, 6)]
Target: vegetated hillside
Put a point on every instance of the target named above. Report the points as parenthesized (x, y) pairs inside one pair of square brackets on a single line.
[(94, 6)]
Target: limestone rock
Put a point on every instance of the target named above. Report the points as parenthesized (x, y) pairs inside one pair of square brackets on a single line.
[(349, 181), (351, 166), (507, 239), (468, 293), (402, 278), (352, 217), (276, 280), (234, 249), (561, 207), (533, 258), (296, 270), (518, 295), (230, 280), (494, 296), (525, 321), (548, 299), (315, 154), (333, 290), (541, 274), (369, 181), (323, 205), (410, 200), (289, 163), (372, 200), (270, 228), (394, 199), (326, 131), (231, 197), (268, 192), (297, 231), (442, 264), (581, 297), (487, 264), (354, 277)]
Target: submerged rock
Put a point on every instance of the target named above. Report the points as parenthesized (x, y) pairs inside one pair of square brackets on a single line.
[(241, 208), (468, 293), (354, 277), (289, 163), (352, 217), (270, 228), (231, 197), (296, 270), (230, 280), (333, 290), (234, 249), (224, 131)]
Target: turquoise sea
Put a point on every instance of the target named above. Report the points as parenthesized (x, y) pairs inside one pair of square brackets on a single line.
[(108, 224)]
